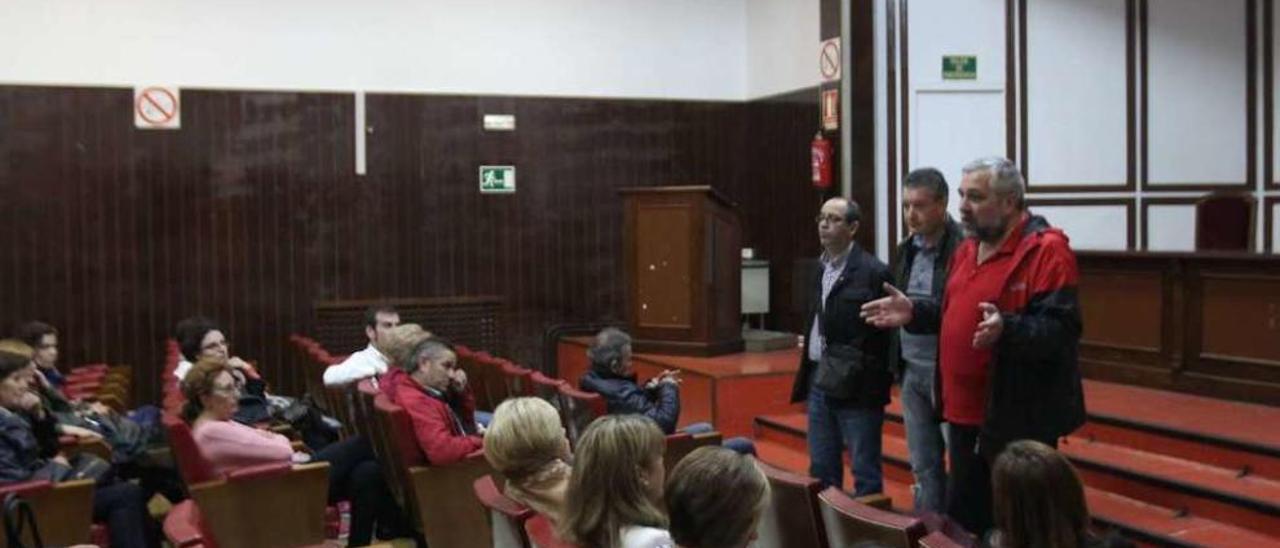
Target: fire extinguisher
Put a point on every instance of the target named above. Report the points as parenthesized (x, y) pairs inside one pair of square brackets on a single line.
[(820, 150)]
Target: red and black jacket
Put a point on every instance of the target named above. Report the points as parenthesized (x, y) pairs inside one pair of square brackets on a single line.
[(1035, 388)]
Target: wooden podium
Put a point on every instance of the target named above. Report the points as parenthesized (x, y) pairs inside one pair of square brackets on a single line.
[(682, 249)]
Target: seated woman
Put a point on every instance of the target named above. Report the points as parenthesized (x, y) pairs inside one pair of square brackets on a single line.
[(526, 443), (615, 491), (212, 398), (715, 497), (613, 377), (434, 392), (199, 338), (1039, 500), (28, 445)]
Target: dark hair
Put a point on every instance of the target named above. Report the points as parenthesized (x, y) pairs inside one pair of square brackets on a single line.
[(929, 178), (33, 332), (190, 334), (197, 383), (1038, 498), (714, 498), (15, 355), (371, 313), (432, 348)]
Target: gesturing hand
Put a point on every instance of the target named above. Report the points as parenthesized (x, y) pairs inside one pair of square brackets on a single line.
[(989, 328), (891, 311)]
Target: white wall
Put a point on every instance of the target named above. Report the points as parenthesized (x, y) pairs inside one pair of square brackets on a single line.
[(782, 46), (598, 48)]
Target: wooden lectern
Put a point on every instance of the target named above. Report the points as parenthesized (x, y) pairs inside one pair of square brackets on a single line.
[(682, 249)]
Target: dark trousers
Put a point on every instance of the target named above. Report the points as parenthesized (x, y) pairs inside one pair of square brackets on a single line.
[(354, 475), (969, 499), (123, 508)]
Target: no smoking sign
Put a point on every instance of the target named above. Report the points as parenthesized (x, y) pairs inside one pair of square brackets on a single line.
[(157, 107)]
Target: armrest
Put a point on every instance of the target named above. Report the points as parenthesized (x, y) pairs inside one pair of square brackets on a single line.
[(26, 488), (259, 471)]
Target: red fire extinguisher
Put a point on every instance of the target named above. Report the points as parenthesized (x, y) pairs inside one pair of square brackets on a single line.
[(820, 150)]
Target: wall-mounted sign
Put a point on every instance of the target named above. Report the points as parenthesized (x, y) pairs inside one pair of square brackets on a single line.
[(497, 179), (830, 109), (500, 122), (157, 107), (829, 59), (959, 67)]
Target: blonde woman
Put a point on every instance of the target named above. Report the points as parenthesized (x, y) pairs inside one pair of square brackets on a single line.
[(526, 443), (714, 498), (615, 492)]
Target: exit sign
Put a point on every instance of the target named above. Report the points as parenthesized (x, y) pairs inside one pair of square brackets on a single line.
[(497, 179), (959, 67)]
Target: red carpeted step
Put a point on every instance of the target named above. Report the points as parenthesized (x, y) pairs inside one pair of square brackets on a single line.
[(782, 436)]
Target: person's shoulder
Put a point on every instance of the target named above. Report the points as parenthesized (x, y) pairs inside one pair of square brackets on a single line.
[(645, 537)]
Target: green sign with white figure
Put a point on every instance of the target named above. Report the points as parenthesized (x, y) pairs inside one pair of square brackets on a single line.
[(959, 67), (497, 179)]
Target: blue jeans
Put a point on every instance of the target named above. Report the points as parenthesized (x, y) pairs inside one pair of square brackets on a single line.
[(925, 441), (831, 428), (740, 445)]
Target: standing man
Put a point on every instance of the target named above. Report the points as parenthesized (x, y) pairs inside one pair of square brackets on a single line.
[(921, 269), (1009, 330), (844, 372), (370, 362)]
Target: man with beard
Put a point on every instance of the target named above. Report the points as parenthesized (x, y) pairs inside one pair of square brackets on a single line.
[(1009, 329)]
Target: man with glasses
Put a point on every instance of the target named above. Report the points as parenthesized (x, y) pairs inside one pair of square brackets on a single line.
[(844, 374)]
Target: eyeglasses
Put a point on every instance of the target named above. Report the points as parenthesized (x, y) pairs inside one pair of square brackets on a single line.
[(833, 219), (231, 390)]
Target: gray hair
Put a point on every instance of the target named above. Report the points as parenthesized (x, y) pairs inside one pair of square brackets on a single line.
[(606, 352), (431, 348), (1005, 178)]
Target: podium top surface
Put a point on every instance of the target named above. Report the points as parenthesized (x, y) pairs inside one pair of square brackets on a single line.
[(741, 364), (681, 189)]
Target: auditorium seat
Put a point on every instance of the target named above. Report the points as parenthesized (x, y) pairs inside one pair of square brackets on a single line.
[(547, 388), (506, 516), (681, 444), (792, 517), (542, 534), (182, 525), (1225, 221), (64, 511), (515, 379), (231, 505), (579, 409), (938, 539), (848, 521), (433, 496)]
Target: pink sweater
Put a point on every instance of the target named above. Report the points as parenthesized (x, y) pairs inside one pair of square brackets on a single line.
[(229, 445)]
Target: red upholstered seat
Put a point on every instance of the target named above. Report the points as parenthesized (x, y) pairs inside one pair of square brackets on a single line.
[(848, 521), (792, 517), (578, 409), (64, 510), (542, 534), (516, 380)]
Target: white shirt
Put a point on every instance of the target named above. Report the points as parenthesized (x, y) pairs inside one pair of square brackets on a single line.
[(645, 537), (361, 365), (183, 367)]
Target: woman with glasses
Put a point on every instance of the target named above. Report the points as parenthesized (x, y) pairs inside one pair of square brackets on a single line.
[(212, 399)]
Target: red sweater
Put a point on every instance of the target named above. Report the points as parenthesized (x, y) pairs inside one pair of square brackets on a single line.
[(439, 434)]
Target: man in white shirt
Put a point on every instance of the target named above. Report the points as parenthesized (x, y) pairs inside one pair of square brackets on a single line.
[(370, 361)]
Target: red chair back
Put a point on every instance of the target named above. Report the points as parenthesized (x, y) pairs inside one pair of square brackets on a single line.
[(848, 521), (506, 516), (579, 409), (792, 517), (516, 380), (191, 463), (542, 534)]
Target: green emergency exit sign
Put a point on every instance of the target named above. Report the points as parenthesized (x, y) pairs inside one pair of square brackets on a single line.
[(959, 67), (497, 179)]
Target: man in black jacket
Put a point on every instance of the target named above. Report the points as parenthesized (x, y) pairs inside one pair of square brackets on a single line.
[(844, 372), (920, 270), (612, 377)]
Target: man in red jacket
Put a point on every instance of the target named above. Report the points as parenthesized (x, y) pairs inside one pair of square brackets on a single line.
[(1009, 331), (434, 391)]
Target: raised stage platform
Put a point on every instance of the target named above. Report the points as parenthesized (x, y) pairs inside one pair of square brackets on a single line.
[(729, 391)]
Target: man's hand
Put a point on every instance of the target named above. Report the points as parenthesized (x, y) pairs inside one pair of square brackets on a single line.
[(989, 328), (80, 433), (236, 363), (891, 311), (458, 379), (62, 459), (100, 408), (29, 401)]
